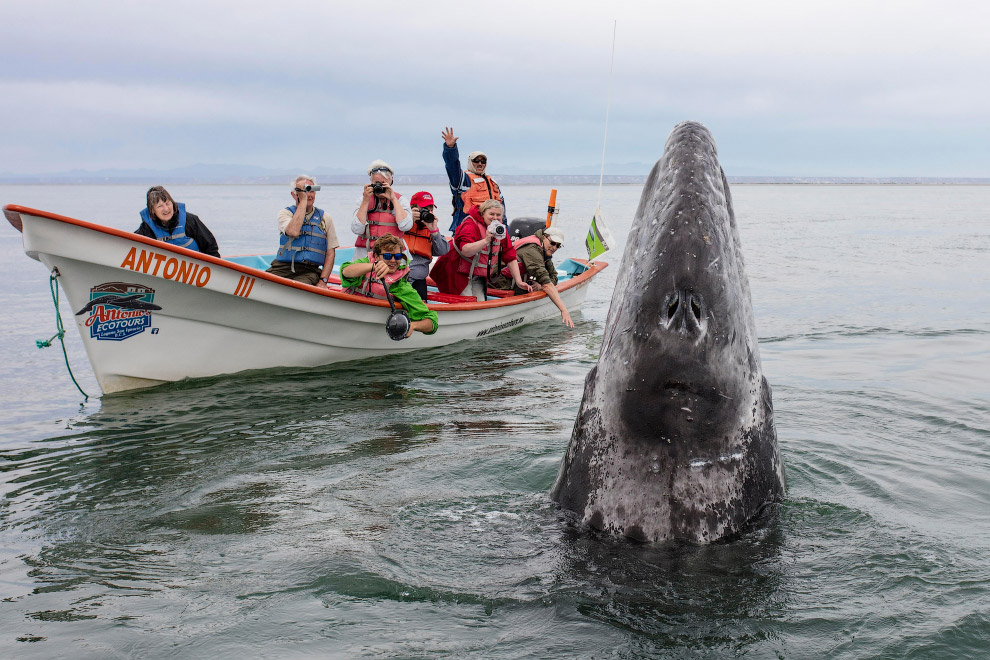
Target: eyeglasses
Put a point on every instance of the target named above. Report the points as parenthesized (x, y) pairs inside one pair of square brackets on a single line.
[(555, 244), (389, 256), (381, 169), (480, 160)]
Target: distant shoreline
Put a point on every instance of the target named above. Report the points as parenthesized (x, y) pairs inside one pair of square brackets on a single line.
[(508, 179)]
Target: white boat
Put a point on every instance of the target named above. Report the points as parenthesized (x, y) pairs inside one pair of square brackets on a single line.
[(149, 312)]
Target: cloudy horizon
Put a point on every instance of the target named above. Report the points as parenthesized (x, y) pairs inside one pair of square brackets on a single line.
[(864, 89)]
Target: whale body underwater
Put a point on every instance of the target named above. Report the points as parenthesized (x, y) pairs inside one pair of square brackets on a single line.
[(675, 437)]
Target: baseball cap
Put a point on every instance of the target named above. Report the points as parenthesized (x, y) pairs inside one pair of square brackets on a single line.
[(422, 199)]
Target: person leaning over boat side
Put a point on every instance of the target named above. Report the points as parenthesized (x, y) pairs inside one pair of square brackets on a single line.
[(387, 261), (467, 188), (381, 210), (465, 269), (424, 240), (535, 256), (307, 241), (168, 221)]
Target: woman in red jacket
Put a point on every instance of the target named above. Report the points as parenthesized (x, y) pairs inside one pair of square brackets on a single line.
[(465, 269)]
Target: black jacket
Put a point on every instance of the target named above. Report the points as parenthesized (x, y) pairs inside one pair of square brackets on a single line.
[(195, 229)]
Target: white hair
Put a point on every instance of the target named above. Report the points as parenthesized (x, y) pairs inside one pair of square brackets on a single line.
[(381, 165), (301, 177)]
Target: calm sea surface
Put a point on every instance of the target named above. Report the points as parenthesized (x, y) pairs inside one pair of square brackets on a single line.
[(397, 508)]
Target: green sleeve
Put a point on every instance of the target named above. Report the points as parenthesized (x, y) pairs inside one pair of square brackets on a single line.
[(532, 258), (403, 292), (348, 282)]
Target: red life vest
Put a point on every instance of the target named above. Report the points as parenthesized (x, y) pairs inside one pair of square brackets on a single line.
[(529, 240), (418, 241), (381, 221), (477, 266), (372, 287), (483, 188)]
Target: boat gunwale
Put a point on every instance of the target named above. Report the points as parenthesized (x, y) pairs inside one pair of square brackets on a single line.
[(10, 210)]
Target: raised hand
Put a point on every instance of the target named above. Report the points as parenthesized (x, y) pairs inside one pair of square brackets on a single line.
[(448, 136)]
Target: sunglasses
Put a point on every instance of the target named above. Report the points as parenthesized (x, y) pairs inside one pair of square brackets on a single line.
[(556, 244), (389, 256), (480, 160), (382, 169)]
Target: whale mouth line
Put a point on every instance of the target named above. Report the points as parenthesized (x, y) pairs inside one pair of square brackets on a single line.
[(709, 393), (675, 387)]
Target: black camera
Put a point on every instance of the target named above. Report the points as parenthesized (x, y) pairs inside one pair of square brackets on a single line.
[(378, 188), (426, 217), (307, 188)]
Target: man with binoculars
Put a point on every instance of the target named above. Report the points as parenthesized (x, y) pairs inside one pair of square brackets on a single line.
[(307, 239)]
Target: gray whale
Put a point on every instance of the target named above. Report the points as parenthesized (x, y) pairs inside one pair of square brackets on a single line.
[(675, 437)]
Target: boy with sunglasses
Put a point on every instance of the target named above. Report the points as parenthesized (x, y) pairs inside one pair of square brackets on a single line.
[(387, 261), (535, 256)]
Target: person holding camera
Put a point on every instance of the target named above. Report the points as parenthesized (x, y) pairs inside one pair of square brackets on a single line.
[(165, 220), (480, 243), (307, 241), (424, 240), (388, 262), (471, 187), (381, 210), (535, 256)]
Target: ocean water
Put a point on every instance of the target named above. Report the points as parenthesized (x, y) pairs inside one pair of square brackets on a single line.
[(398, 508)]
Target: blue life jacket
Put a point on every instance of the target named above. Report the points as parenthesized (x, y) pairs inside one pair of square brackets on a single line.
[(310, 246), (178, 235)]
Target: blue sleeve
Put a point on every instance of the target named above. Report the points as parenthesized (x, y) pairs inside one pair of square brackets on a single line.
[(452, 163)]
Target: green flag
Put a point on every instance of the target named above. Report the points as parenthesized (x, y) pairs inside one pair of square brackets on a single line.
[(599, 240)]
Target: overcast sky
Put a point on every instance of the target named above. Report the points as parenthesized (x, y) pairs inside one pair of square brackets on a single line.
[(833, 88)]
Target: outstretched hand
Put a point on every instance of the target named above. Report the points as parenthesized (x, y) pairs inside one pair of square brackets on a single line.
[(448, 136)]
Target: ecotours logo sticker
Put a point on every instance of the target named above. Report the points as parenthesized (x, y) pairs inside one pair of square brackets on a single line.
[(118, 310)]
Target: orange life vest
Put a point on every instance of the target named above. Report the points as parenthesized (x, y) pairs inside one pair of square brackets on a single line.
[(418, 241), (381, 221), (483, 188)]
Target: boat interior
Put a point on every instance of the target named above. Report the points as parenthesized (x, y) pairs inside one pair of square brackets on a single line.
[(567, 269)]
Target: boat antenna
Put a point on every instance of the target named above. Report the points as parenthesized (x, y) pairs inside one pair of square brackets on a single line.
[(608, 103)]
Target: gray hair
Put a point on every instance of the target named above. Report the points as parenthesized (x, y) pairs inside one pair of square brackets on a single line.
[(381, 165), (490, 204), (302, 177)]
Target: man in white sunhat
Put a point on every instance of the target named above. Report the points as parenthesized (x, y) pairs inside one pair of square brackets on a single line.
[(470, 188)]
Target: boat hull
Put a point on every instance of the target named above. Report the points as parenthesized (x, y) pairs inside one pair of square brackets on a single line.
[(183, 314)]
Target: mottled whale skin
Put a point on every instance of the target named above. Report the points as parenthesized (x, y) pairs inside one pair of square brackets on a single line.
[(675, 438)]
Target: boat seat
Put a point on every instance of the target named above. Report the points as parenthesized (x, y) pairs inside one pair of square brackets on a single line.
[(436, 296), (500, 293)]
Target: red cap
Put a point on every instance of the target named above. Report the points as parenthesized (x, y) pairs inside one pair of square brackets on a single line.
[(422, 199)]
